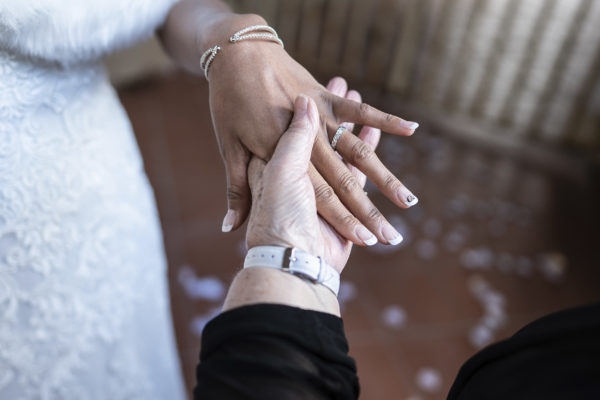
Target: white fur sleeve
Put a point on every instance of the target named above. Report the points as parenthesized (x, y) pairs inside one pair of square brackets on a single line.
[(71, 31)]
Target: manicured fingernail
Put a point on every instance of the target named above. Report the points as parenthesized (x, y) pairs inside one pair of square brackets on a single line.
[(411, 200), (409, 125), (407, 197), (392, 235), (228, 221), (366, 236)]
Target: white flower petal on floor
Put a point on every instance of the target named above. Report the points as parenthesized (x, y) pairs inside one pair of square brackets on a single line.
[(207, 288), (394, 316), (429, 380), (347, 293)]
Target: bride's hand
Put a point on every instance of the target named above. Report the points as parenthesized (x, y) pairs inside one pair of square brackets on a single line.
[(253, 85)]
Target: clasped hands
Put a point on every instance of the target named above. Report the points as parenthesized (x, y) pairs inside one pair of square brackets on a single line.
[(285, 212), (340, 199), (284, 206), (252, 88)]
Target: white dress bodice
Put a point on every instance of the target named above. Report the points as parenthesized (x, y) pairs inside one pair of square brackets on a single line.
[(84, 310)]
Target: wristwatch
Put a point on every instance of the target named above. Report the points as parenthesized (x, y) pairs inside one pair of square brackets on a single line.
[(296, 262)]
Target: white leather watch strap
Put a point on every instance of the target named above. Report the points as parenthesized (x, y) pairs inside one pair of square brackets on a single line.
[(294, 261)]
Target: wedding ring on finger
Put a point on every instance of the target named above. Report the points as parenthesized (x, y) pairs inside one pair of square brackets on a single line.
[(337, 136)]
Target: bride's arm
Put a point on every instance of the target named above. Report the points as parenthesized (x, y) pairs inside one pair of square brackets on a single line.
[(192, 26)]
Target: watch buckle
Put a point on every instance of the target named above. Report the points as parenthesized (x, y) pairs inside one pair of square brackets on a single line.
[(289, 257)]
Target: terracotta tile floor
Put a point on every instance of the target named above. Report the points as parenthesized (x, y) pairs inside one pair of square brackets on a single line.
[(493, 244)]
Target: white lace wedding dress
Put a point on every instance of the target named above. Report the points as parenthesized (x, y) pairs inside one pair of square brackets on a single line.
[(84, 310)]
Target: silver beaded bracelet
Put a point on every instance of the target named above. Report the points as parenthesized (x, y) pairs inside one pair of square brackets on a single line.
[(265, 32), (260, 32), (207, 58)]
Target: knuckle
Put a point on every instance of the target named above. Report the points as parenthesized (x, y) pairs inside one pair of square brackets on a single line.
[(361, 152), (348, 183), (364, 110), (324, 194), (391, 183), (374, 214), (347, 220), (389, 117), (326, 98), (234, 193)]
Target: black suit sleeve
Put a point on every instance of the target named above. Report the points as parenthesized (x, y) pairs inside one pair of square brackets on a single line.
[(269, 351), (555, 357)]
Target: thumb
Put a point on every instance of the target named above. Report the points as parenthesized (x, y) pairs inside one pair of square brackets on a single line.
[(295, 145)]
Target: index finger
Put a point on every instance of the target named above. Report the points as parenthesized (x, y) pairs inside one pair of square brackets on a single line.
[(365, 114)]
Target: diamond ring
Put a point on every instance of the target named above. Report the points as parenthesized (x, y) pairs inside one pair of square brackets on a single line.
[(337, 136)]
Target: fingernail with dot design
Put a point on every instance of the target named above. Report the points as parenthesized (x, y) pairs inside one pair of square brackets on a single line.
[(406, 197)]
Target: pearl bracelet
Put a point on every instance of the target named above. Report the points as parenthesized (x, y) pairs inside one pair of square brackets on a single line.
[(262, 32)]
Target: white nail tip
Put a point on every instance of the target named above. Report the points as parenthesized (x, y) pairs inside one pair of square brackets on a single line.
[(397, 240), (371, 241), (412, 200), (228, 221)]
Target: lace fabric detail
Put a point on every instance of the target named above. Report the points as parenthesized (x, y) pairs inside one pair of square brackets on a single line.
[(84, 311)]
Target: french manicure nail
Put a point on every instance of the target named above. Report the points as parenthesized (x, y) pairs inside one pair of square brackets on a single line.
[(409, 125), (392, 235), (228, 221), (366, 236)]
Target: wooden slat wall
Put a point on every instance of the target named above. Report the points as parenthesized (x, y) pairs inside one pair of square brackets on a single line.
[(333, 40), (509, 53), (469, 70), (530, 67), (309, 38), (378, 56), (357, 29), (416, 33), (579, 59), (269, 9), (288, 23)]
